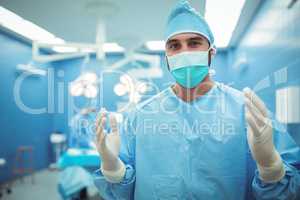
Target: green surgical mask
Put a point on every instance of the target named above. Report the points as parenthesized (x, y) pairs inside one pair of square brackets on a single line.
[(189, 68)]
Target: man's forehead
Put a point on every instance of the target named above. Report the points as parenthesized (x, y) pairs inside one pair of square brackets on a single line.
[(186, 36)]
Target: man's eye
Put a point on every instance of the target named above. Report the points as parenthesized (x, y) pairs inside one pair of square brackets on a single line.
[(174, 46), (195, 44)]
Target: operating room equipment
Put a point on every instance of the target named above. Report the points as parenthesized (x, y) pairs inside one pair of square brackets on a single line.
[(72, 180), (58, 141), (86, 158)]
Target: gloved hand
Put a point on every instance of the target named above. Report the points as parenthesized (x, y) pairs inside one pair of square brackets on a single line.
[(108, 146), (260, 139)]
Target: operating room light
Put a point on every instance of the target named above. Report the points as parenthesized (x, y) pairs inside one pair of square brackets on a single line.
[(142, 87), (26, 28), (86, 85), (112, 47), (156, 45), (120, 89), (87, 50), (126, 80), (65, 49), (107, 48), (222, 16), (135, 98), (33, 32), (76, 89), (90, 91), (89, 77)]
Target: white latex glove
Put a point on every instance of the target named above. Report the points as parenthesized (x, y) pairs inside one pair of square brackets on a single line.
[(260, 139), (108, 146)]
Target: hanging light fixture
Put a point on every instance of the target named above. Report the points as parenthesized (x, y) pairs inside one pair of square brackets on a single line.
[(85, 85)]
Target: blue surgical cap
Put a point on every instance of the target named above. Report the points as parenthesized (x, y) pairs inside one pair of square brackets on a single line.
[(185, 19)]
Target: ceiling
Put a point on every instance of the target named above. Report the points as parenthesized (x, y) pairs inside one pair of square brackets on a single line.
[(128, 22)]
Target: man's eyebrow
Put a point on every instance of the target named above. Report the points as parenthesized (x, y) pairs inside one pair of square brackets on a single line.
[(171, 41), (196, 38)]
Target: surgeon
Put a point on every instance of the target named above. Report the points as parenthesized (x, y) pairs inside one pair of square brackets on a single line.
[(197, 139)]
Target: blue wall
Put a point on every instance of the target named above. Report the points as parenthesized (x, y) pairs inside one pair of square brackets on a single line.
[(271, 43), (17, 127), (220, 65)]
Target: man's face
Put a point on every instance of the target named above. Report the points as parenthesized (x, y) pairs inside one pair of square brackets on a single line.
[(186, 42)]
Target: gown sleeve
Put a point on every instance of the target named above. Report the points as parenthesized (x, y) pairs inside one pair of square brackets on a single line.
[(288, 188), (124, 189)]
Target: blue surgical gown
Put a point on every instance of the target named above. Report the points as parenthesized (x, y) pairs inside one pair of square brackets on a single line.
[(177, 150)]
